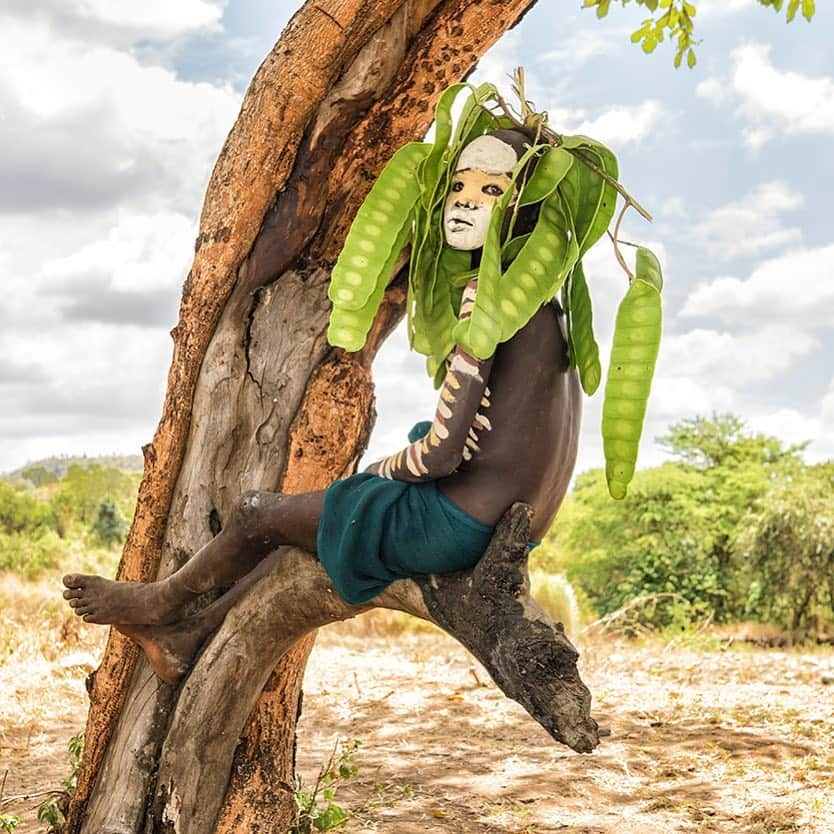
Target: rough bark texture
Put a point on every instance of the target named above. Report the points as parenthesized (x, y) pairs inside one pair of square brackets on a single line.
[(489, 610), (256, 399)]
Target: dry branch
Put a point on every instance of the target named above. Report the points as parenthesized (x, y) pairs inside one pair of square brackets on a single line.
[(489, 610)]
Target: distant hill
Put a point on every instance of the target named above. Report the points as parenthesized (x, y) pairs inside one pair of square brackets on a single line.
[(57, 466)]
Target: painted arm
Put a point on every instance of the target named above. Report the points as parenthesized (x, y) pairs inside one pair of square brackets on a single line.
[(453, 433)]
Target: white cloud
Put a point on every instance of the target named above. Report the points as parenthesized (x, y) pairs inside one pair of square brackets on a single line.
[(751, 225), (153, 18), (141, 252), (796, 287), (712, 89), (798, 103), (124, 22), (587, 44), (723, 8), (733, 360), (774, 99), (90, 126), (756, 137), (792, 427), (617, 125), (101, 177)]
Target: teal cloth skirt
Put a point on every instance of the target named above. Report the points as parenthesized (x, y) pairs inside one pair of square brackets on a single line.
[(374, 530)]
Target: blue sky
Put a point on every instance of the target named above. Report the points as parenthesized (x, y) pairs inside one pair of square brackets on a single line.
[(111, 116)]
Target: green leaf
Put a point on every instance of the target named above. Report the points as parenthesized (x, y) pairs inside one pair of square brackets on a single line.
[(583, 345), (808, 9), (691, 60), (590, 199), (793, 8), (550, 170), (378, 235)]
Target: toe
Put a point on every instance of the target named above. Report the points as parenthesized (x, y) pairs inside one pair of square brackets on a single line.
[(72, 593), (73, 580), (74, 603)]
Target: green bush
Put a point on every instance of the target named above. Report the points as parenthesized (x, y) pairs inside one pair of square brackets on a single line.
[(21, 512), (787, 547), (81, 491), (677, 535), (29, 556)]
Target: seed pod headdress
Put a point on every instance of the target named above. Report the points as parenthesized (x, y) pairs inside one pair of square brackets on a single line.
[(560, 200)]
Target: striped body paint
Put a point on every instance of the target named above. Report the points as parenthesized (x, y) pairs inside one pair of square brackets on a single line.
[(459, 421)]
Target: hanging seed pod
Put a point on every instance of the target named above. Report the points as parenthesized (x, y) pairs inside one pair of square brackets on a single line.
[(591, 199), (540, 268), (374, 241), (551, 168), (633, 357), (583, 345), (349, 328), (432, 166)]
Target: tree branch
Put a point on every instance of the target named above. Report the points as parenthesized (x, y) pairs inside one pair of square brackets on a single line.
[(488, 609)]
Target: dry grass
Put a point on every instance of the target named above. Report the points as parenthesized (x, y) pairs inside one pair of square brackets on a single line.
[(737, 741)]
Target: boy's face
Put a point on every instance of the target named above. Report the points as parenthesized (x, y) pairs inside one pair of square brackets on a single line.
[(469, 205)]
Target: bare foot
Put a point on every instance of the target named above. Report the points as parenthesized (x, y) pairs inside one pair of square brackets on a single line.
[(102, 601), (170, 649)]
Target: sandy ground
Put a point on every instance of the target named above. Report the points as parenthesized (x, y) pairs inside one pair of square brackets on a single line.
[(701, 740)]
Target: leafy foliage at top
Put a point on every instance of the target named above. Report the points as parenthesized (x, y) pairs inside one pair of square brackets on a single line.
[(675, 19), (571, 184)]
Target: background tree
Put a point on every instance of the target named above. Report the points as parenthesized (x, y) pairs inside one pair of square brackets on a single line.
[(257, 400), (739, 527)]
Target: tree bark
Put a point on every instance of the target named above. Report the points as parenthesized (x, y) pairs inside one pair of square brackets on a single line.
[(256, 398)]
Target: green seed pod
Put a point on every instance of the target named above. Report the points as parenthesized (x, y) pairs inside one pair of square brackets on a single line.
[(349, 328), (583, 345), (432, 166), (481, 332), (551, 168), (511, 248), (591, 199), (540, 268), (475, 119), (378, 225), (633, 357)]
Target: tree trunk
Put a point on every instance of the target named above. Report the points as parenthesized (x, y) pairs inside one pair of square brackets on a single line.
[(256, 399)]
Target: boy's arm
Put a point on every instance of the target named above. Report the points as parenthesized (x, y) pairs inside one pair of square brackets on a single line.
[(453, 433)]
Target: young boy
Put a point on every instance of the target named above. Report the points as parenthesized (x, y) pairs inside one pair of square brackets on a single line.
[(505, 430)]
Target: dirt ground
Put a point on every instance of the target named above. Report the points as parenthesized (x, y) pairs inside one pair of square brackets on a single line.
[(701, 739)]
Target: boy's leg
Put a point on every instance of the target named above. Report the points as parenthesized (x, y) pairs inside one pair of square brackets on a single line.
[(262, 521), (171, 649)]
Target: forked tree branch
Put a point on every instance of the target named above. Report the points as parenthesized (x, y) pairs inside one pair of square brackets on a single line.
[(488, 609)]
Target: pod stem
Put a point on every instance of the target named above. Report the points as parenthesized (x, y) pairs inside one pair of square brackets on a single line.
[(528, 117), (615, 239)]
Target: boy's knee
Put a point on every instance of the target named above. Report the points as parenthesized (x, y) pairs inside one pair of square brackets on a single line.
[(249, 508)]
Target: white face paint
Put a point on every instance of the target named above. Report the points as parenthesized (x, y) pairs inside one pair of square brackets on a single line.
[(482, 177)]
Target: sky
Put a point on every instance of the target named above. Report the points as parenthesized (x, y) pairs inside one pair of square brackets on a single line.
[(112, 114)]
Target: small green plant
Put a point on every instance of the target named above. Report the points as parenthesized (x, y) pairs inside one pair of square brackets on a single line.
[(315, 808), (50, 811), (8, 823)]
